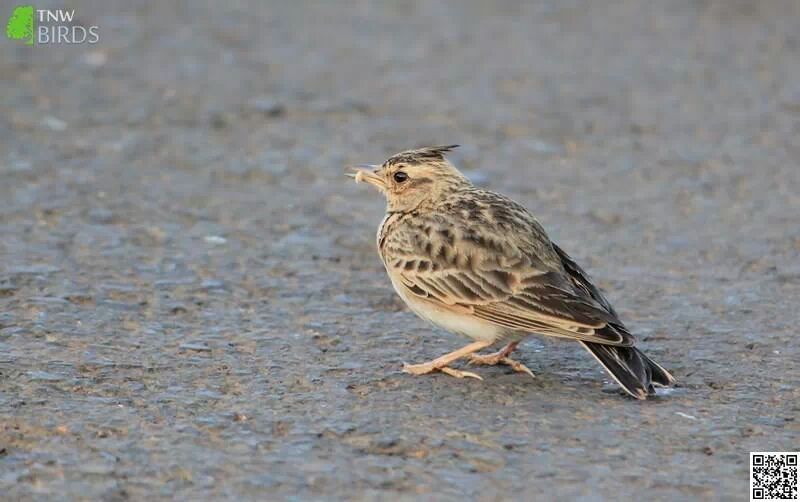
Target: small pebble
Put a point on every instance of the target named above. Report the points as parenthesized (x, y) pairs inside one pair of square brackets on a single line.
[(215, 239), (53, 123), (100, 215), (198, 346), (267, 106)]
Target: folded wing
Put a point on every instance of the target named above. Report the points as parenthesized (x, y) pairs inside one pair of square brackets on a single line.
[(509, 290)]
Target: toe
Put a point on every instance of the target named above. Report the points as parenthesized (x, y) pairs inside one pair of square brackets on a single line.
[(418, 369), (460, 373), (488, 360)]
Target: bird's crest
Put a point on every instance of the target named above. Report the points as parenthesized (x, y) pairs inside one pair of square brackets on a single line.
[(421, 155)]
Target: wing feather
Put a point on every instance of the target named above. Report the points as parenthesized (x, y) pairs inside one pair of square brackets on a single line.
[(519, 282), (535, 306)]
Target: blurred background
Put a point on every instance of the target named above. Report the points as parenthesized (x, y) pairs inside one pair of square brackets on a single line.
[(191, 304)]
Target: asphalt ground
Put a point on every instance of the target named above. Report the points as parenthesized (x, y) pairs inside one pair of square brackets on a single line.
[(191, 304)]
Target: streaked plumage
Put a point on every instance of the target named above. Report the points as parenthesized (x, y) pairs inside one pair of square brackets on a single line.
[(476, 263)]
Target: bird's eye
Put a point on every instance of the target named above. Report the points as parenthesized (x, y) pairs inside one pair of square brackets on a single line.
[(400, 176)]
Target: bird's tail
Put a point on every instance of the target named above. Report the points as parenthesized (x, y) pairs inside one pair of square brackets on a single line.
[(634, 371)]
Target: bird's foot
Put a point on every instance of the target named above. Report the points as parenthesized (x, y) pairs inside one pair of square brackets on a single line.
[(500, 358), (443, 363), (430, 367)]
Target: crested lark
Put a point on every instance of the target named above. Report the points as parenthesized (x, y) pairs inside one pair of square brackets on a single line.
[(477, 263)]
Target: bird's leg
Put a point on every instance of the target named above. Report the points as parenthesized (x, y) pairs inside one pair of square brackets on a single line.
[(501, 357), (441, 363)]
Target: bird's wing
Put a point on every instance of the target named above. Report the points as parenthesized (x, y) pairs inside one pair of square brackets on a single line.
[(506, 287), (581, 281)]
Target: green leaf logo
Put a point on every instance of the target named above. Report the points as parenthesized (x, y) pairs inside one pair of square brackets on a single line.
[(20, 24)]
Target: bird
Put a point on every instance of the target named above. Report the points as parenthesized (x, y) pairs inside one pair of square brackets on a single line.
[(478, 264)]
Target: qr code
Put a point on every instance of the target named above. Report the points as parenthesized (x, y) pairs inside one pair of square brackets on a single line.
[(773, 475)]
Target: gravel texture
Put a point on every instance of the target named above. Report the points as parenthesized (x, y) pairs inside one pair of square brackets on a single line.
[(191, 304)]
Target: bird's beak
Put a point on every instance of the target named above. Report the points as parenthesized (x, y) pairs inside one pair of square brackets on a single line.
[(366, 172)]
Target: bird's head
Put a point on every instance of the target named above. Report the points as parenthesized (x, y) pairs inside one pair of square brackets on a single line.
[(413, 178)]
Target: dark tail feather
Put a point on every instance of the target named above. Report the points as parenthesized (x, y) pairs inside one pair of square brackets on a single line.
[(634, 371)]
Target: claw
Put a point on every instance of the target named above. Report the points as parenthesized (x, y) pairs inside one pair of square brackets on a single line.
[(459, 373), (517, 366)]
